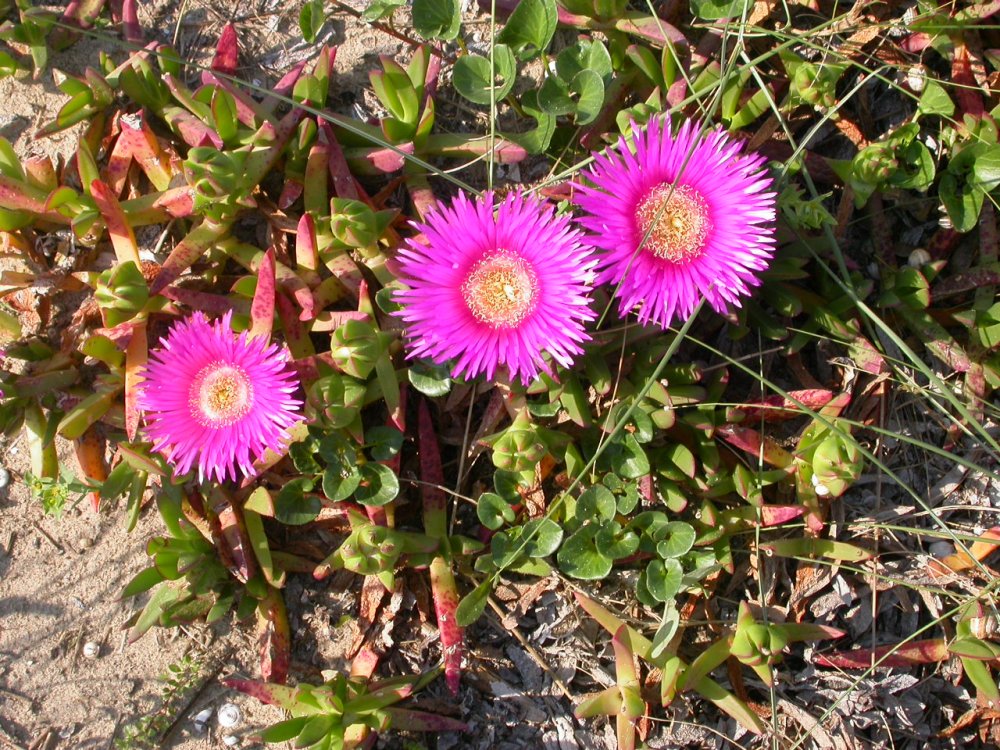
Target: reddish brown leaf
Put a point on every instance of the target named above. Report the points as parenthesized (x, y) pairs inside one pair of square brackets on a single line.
[(775, 515), (213, 304), (138, 142), (272, 695), (296, 335), (756, 444), (420, 721), (191, 129), (122, 236), (306, 251), (431, 474), (967, 91), (262, 309), (226, 52), (905, 655), (90, 447), (187, 251), (443, 587), (778, 408), (962, 561), (233, 535), (131, 29), (275, 638), (135, 362), (344, 184), (445, 605)]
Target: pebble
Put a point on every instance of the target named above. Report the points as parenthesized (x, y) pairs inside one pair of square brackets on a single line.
[(91, 649), (4, 478), (229, 715), (230, 740), (941, 549)]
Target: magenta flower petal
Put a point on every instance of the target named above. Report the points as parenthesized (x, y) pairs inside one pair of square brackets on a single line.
[(708, 210), (493, 288), (217, 400)]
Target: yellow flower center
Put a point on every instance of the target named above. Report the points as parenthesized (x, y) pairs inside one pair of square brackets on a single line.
[(221, 394), (675, 221), (501, 289)]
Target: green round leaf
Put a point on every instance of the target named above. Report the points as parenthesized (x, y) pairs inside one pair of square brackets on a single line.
[(472, 78), (472, 605), (384, 442), (713, 10), (542, 537), (677, 538), (628, 501), (430, 380), (529, 28), (579, 557), (493, 511), (663, 579), (584, 55), (537, 140), (630, 461), (293, 506), (506, 484), (614, 542), (438, 19), (963, 203), (379, 485), (339, 484), (587, 88), (596, 502), (554, 97)]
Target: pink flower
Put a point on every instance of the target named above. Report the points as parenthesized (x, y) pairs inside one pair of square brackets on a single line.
[(215, 399), (707, 209), (496, 287)]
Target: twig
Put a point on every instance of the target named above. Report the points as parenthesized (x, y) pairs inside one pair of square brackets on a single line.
[(114, 732), (43, 532), (532, 651), (220, 662), (9, 741), (15, 694)]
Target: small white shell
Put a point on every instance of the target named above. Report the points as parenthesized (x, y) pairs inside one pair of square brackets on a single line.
[(918, 258), (4, 477), (916, 78), (201, 719), (230, 740), (68, 731), (229, 715), (91, 649)]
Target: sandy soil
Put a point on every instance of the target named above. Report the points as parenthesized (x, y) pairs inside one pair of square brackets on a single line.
[(60, 579)]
